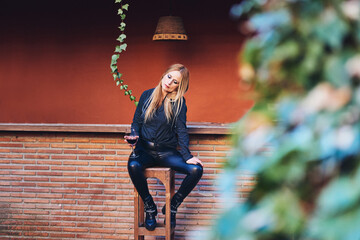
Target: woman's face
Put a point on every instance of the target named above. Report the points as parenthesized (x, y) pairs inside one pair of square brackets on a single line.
[(171, 81)]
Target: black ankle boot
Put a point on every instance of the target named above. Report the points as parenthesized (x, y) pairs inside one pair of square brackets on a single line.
[(175, 203), (151, 212)]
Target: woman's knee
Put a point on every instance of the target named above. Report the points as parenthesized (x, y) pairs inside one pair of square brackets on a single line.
[(196, 170), (134, 165)]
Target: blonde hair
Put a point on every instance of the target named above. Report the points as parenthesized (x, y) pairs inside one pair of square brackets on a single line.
[(156, 98)]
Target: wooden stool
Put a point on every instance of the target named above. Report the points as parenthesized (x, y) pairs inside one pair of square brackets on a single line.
[(166, 176)]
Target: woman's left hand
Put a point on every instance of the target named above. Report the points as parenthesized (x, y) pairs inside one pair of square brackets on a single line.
[(194, 160)]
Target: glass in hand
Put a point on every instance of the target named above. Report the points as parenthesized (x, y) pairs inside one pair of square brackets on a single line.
[(132, 139)]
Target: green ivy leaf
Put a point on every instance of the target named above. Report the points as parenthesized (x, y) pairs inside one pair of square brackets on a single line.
[(115, 76), (113, 68), (122, 16), (117, 83), (130, 92), (136, 103), (123, 47), (122, 24), (125, 7), (132, 98), (125, 87), (126, 93), (118, 1), (120, 11), (121, 37), (121, 81), (115, 57), (121, 87)]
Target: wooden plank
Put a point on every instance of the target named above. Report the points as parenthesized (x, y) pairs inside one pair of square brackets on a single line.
[(194, 128)]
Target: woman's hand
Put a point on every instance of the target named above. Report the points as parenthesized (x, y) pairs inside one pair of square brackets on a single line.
[(194, 160)]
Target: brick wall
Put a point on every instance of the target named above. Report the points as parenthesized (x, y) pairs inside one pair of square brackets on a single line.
[(76, 185)]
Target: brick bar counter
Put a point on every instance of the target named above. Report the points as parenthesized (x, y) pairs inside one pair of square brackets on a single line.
[(70, 181)]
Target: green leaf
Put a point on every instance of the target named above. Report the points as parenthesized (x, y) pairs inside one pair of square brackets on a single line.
[(126, 93), (132, 98), (115, 57), (118, 1), (122, 24), (125, 7), (121, 38), (119, 75), (115, 76), (121, 87), (117, 83), (121, 81), (130, 92), (136, 103), (122, 16), (122, 47), (120, 11), (113, 68), (125, 87)]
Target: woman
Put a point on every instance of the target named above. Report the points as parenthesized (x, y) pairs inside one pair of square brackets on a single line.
[(160, 121)]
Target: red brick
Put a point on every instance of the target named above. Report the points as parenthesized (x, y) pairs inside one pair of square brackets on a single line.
[(98, 169), (50, 151), (37, 156), (5, 150), (68, 157), (51, 173), (76, 174), (23, 184), (102, 152), (62, 168), (62, 235), (105, 163), (64, 201), (89, 191), (50, 185), (55, 145), (91, 158), (37, 190), (10, 167), (76, 152), (90, 180), (76, 185), (89, 225), (23, 173), (112, 175), (89, 236), (5, 139), (23, 161), (42, 201), (41, 162), (50, 140), (75, 229), (11, 145), (212, 154), (36, 168), (109, 141), (36, 145), (23, 150), (82, 163), (62, 179), (76, 140), (36, 212), (9, 178), (122, 146), (36, 179), (90, 146), (11, 156)]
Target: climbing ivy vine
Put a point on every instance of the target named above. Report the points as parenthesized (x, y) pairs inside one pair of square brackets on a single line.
[(119, 49)]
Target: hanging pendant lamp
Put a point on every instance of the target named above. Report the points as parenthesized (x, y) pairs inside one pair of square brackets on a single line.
[(170, 28)]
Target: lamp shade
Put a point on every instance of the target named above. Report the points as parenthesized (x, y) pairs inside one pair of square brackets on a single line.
[(170, 28)]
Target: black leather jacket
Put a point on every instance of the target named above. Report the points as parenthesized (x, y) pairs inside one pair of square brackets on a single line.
[(159, 131)]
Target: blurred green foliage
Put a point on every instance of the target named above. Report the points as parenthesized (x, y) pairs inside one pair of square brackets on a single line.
[(302, 137)]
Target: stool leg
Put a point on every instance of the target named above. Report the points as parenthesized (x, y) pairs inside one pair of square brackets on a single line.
[(138, 215), (169, 192)]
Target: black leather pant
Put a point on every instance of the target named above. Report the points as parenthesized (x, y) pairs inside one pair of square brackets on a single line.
[(151, 156)]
